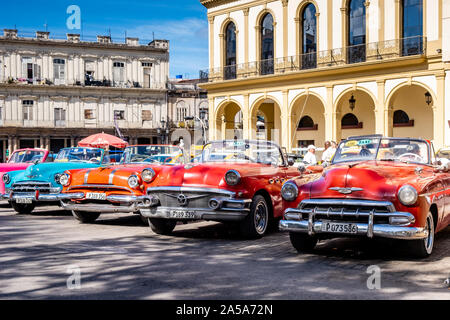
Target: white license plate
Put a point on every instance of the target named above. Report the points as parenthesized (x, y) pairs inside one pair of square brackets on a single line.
[(96, 196), (181, 214), (24, 200), (334, 227)]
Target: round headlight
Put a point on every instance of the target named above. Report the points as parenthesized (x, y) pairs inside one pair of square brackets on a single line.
[(407, 195), (64, 179), (6, 178), (133, 181), (56, 177), (289, 191), (232, 177), (148, 175)]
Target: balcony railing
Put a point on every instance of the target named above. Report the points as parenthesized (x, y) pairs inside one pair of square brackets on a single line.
[(376, 51)]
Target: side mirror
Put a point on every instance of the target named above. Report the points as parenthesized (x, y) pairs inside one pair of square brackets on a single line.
[(290, 162)]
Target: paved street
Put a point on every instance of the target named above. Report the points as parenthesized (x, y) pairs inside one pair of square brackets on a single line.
[(119, 257)]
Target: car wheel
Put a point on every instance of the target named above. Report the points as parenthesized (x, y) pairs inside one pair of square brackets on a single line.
[(21, 208), (256, 222), (162, 226), (303, 243), (423, 248), (85, 217)]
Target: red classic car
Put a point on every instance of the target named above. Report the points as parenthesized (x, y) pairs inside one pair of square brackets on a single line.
[(116, 188), (375, 187), (234, 181)]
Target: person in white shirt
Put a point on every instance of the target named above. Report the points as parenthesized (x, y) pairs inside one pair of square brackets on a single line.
[(330, 150), (310, 156)]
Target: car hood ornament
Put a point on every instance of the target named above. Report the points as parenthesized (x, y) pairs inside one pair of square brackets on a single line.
[(346, 190)]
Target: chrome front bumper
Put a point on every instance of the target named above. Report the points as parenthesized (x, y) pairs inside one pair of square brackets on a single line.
[(195, 213), (295, 220), (36, 197), (118, 203)]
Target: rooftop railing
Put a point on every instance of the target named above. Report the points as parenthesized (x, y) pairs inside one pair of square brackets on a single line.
[(376, 51)]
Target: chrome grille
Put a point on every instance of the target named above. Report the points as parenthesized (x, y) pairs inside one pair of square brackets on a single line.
[(347, 210), (195, 197), (43, 187)]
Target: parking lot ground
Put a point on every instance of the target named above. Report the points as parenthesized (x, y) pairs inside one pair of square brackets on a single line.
[(118, 257)]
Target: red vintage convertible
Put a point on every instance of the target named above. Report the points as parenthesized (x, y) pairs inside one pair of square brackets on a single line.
[(235, 180), (375, 187)]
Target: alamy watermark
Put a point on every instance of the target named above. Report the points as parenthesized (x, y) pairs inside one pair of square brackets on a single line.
[(74, 280), (73, 22), (374, 280)]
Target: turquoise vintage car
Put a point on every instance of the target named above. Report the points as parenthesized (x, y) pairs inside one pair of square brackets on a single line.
[(40, 182)]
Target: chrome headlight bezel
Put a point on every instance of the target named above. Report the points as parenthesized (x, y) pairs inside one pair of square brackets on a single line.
[(232, 177), (134, 181), (407, 195), (6, 178), (289, 191), (148, 175), (64, 179), (56, 178)]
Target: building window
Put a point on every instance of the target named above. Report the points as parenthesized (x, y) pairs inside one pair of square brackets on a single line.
[(59, 69), (401, 119), (60, 117), (350, 121), (412, 27), (30, 70), (309, 37), (147, 64), (146, 115), (89, 114), (181, 111), (27, 106), (230, 51), (267, 46), (307, 123), (356, 31), (119, 115), (118, 73)]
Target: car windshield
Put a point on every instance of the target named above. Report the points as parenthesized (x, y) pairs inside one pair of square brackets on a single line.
[(243, 151), (26, 156), (153, 154), (382, 149), (93, 155)]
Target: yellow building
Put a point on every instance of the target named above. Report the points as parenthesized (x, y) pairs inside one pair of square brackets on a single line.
[(306, 71)]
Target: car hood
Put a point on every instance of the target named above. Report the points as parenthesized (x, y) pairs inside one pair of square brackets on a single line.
[(46, 171), (207, 174), (113, 174), (374, 180)]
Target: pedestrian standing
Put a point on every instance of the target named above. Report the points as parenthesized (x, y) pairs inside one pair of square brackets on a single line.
[(310, 156), (330, 150)]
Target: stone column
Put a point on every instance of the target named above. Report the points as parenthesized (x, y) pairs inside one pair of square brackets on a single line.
[(246, 128), (380, 124), (286, 132), (439, 113)]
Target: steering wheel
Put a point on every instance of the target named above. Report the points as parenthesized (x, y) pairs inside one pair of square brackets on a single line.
[(94, 160), (411, 156)]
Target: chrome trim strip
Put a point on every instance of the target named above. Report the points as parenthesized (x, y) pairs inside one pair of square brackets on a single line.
[(191, 189), (199, 214), (111, 176), (348, 202), (381, 230), (102, 208), (370, 226), (86, 176)]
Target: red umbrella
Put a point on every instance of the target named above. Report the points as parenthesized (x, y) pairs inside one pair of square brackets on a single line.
[(102, 140)]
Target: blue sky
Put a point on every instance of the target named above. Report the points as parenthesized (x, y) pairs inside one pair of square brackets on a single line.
[(183, 22)]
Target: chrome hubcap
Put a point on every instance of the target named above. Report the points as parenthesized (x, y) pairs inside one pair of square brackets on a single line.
[(430, 239), (261, 217)]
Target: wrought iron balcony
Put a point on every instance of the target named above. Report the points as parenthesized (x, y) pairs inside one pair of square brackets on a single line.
[(376, 51)]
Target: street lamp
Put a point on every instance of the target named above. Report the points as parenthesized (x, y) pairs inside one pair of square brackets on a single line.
[(163, 130), (428, 98), (352, 103)]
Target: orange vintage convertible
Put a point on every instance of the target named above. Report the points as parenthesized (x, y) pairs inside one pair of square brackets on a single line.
[(116, 188), (375, 187)]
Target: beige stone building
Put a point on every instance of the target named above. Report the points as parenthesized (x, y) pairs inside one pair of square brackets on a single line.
[(306, 71), (54, 92)]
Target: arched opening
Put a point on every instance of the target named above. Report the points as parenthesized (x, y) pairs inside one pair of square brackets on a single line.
[(355, 114), (266, 121), (356, 51), (230, 52), (411, 113), (229, 121), (309, 37), (267, 45), (308, 122), (412, 27)]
